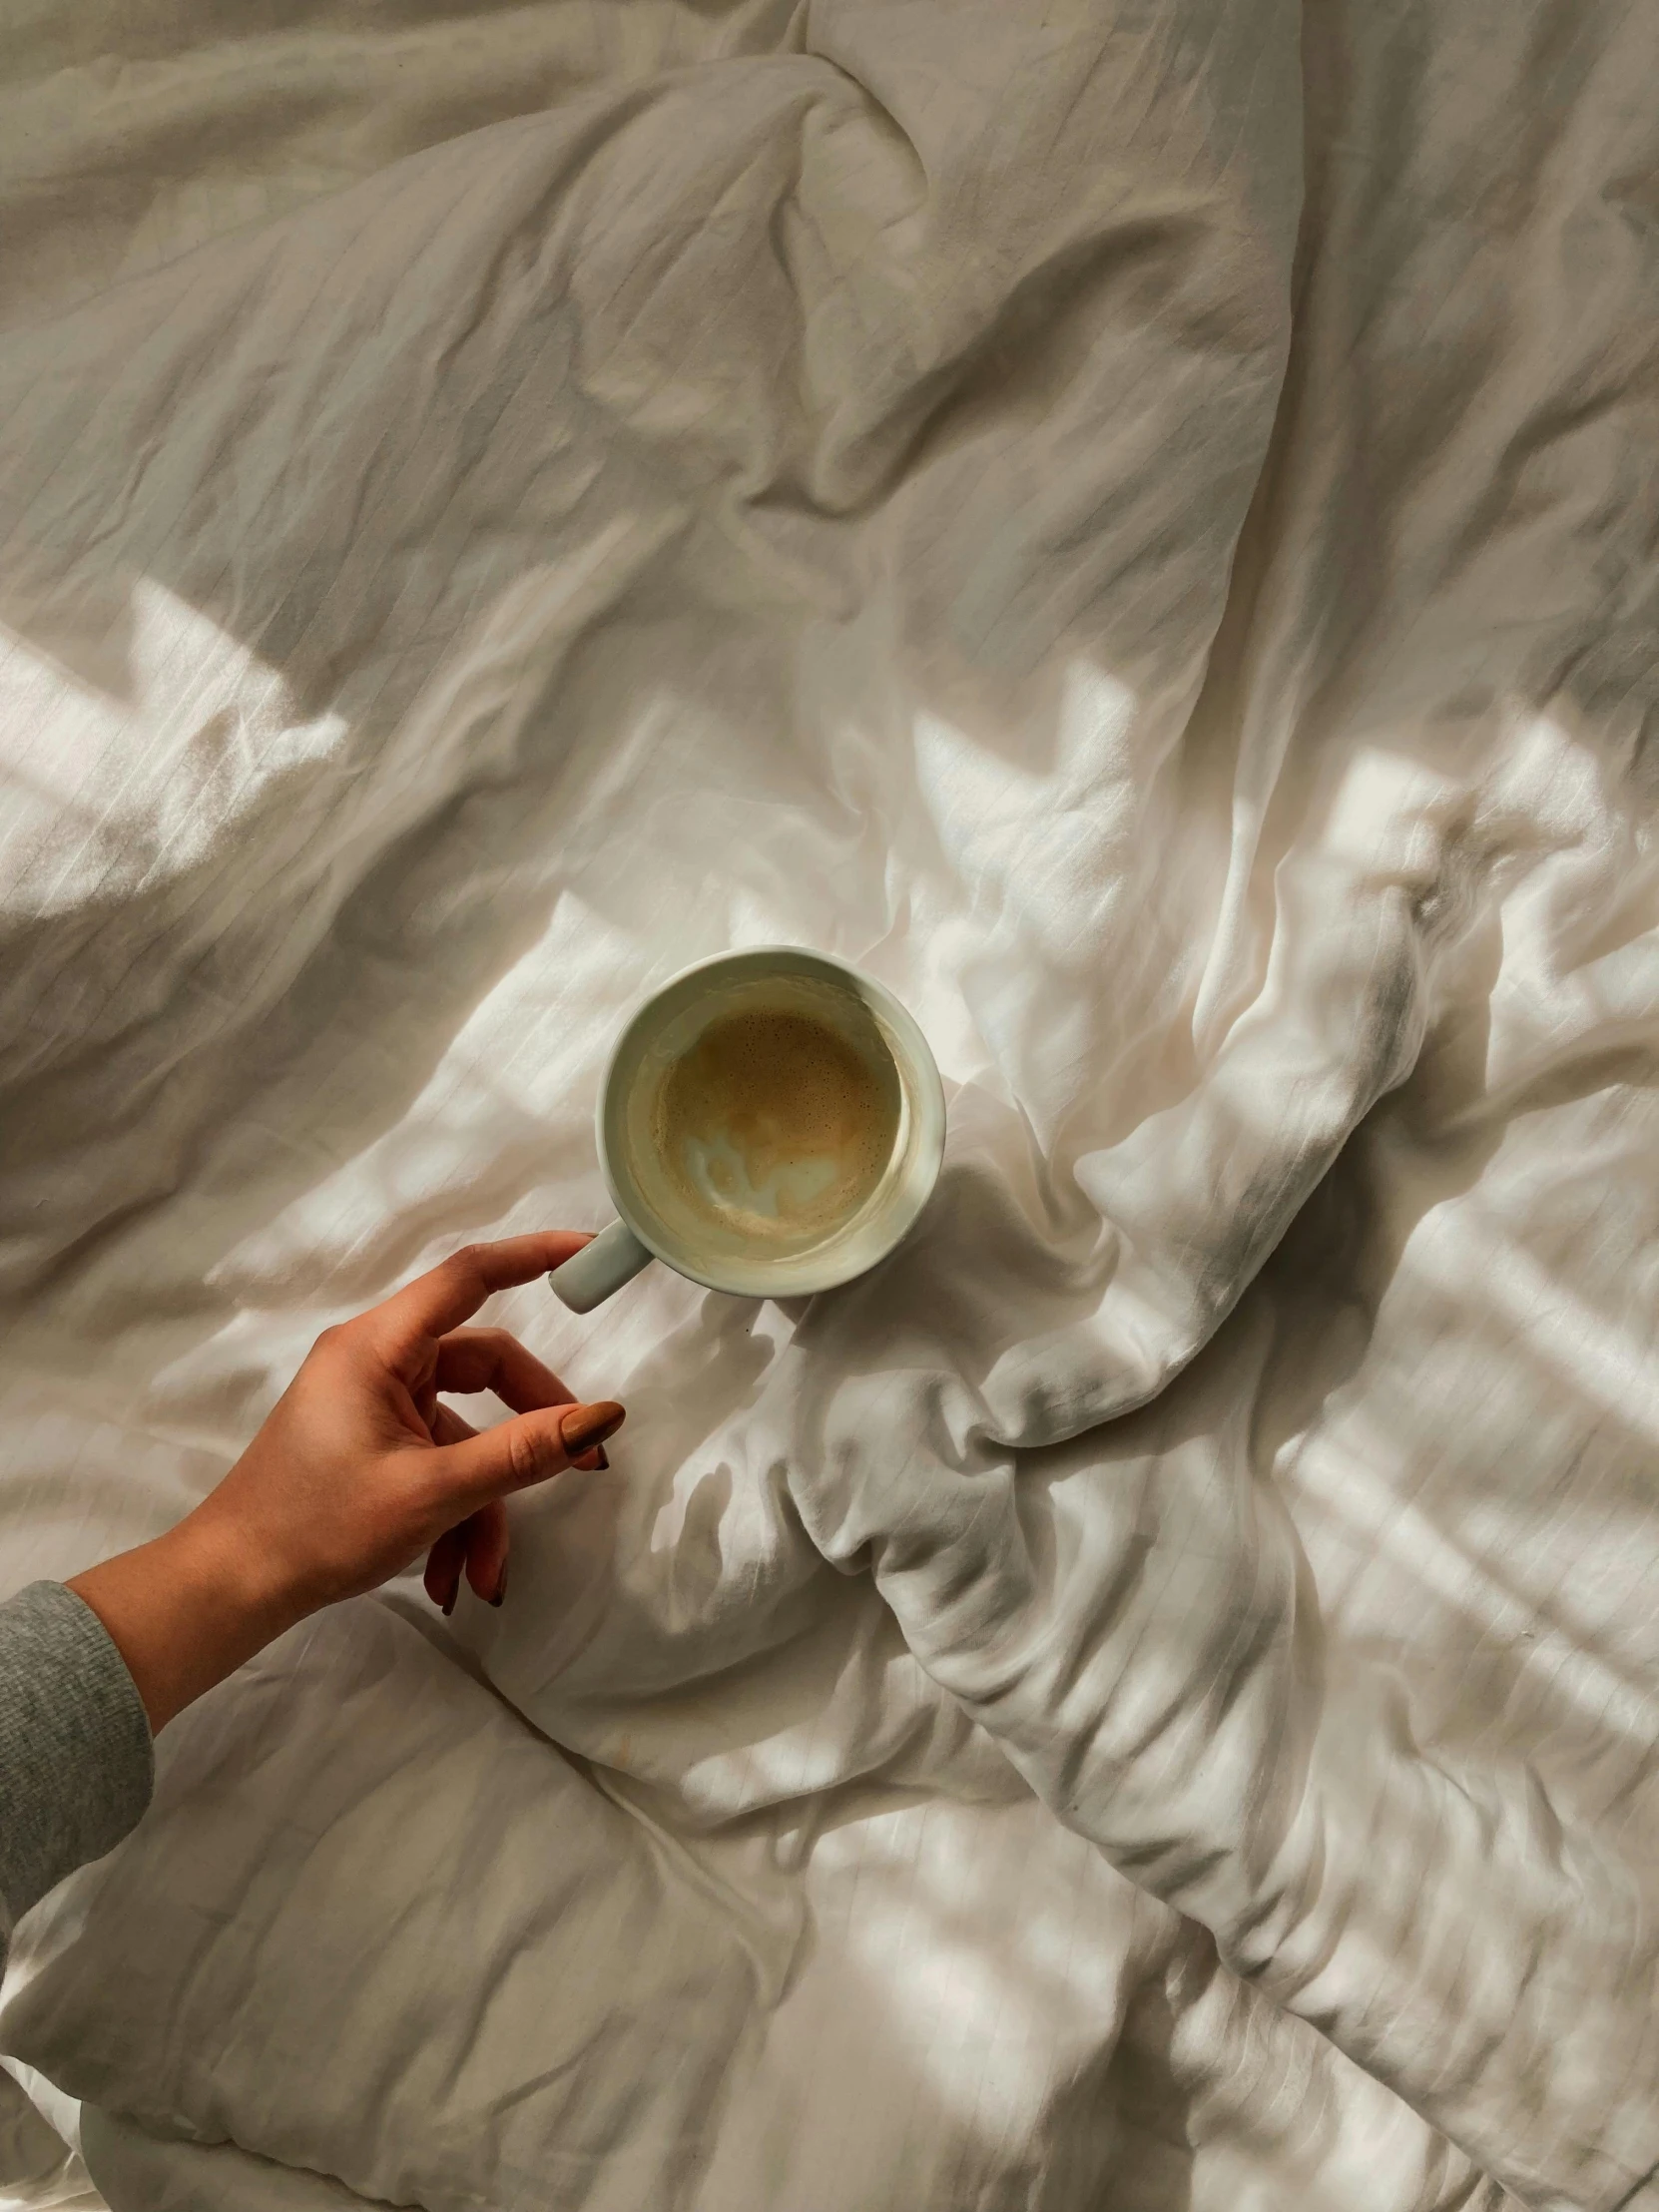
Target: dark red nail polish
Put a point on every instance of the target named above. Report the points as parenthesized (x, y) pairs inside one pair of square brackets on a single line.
[(500, 1597)]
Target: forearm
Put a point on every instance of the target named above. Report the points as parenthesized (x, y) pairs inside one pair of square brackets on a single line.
[(184, 1612)]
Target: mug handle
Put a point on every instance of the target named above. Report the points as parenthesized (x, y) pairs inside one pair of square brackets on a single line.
[(588, 1277)]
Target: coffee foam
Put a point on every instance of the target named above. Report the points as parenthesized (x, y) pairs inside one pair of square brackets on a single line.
[(774, 1124)]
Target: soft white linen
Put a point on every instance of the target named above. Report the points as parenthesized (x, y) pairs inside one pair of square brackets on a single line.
[(1136, 523)]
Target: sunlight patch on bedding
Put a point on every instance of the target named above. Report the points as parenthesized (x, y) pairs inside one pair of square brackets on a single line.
[(104, 795)]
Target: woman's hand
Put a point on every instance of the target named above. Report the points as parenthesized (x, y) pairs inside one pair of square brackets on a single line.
[(357, 1470)]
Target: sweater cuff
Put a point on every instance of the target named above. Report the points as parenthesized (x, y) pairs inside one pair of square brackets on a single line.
[(76, 1761)]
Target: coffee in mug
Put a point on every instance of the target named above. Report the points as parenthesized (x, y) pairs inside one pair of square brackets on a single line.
[(771, 1122)]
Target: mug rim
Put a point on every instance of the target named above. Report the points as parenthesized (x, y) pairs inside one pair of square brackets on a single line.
[(931, 1108)]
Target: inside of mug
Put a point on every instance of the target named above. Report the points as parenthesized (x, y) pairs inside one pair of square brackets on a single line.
[(698, 1160)]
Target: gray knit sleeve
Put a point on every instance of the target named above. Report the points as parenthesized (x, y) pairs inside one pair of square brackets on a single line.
[(76, 1765)]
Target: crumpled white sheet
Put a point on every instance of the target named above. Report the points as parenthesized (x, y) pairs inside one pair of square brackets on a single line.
[(1136, 523)]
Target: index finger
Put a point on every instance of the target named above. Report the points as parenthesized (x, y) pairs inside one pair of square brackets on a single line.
[(439, 1300)]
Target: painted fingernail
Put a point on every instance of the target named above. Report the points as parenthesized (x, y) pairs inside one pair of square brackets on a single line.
[(500, 1597), (586, 1425), (601, 1460), (449, 1601)]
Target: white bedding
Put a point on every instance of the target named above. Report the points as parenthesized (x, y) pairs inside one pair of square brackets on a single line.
[(1136, 521)]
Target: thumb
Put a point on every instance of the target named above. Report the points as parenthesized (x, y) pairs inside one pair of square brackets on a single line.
[(517, 1453)]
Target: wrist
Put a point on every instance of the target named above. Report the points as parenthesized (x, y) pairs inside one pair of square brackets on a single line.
[(184, 1612), (228, 1580)]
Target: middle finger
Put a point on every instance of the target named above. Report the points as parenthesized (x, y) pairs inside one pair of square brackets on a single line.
[(491, 1359)]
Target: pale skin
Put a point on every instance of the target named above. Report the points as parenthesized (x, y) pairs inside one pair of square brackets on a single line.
[(359, 1469)]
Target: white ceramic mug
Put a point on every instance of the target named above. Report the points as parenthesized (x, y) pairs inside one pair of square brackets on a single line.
[(771, 978)]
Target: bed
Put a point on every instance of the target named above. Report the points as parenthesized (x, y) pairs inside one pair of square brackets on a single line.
[(1135, 521)]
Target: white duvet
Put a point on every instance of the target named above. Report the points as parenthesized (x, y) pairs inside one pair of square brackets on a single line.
[(1137, 521)]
